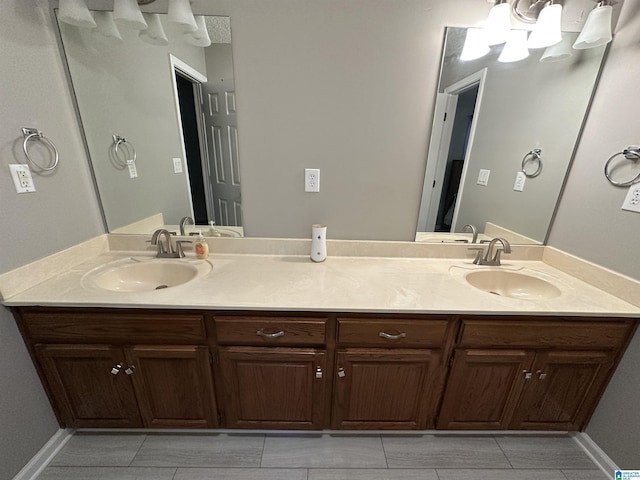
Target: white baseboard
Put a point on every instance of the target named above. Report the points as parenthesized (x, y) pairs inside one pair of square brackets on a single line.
[(599, 457), (41, 459)]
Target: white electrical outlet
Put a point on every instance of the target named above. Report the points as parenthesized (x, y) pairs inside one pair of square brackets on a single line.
[(311, 179), (518, 186), (22, 178), (632, 201), (483, 177), (177, 165)]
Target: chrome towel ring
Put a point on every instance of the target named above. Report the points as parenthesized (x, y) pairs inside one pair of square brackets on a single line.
[(35, 134), (120, 144), (534, 155), (631, 153)]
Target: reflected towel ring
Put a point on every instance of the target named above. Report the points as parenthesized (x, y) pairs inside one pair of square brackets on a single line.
[(35, 134), (534, 155), (118, 142), (630, 153)]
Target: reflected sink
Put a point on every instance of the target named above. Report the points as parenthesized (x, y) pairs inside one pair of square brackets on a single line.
[(133, 275), (222, 232), (511, 284)]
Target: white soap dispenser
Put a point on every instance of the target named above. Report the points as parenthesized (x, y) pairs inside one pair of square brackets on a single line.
[(201, 246), (318, 242)]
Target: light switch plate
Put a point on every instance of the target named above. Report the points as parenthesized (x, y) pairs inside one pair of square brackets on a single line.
[(483, 177), (632, 201), (518, 186), (177, 165)]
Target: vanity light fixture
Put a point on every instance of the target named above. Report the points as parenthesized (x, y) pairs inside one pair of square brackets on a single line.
[(181, 14), (75, 12), (516, 47), (548, 29), (475, 44), (597, 29), (199, 38), (127, 13), (105, 25), (154, 33), (498, 23), (559, 51)]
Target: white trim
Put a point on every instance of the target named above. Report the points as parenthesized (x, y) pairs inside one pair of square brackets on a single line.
[(41, 459), (597, 455)]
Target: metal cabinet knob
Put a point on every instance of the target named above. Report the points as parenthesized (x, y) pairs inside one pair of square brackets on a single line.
[(541, 376), (318, 372), (341, 372), (130, 369), (527, 375), (116, 370)]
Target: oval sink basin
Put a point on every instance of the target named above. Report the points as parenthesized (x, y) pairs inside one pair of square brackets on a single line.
[(222, 232), (512, 284), (145, 276)]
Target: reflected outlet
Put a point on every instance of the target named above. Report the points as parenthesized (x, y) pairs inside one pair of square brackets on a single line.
[(632, 201)]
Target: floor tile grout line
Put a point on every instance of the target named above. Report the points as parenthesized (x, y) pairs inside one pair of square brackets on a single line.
[(138, 450), (384, 452), (264, 442), (503, 452)]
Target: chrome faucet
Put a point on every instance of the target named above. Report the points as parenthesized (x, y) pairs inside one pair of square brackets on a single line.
[(490, 258), (166, 250), (185, 221), (468, 227)]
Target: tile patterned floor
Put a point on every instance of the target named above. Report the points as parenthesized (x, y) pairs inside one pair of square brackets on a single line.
[(241, 456)]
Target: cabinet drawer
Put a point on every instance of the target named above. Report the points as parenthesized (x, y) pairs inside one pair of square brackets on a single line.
[(381, 332), (114, 326), (236, 330), (541, 333)]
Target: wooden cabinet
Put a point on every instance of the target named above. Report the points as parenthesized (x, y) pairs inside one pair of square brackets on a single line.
[(395, 385), (273, 370), (552, 383), (124, 383)]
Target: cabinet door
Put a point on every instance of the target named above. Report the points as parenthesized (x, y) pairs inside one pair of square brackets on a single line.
[(88, 386), (273, 387), (376, 388), (173, 385), (483, 389), (563, 390)]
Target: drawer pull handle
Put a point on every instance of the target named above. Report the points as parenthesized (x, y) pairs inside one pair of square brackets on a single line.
[(318, 372), (270, 336), (341, 372), (130, 369), (116, 370), (541, 376), (527, 375), (389, 336)]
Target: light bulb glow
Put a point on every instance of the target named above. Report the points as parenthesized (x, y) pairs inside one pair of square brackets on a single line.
[(548, 29), (515, 48), (475, 44), (498, 24)]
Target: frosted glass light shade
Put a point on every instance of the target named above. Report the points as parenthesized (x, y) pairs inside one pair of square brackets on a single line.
[(498, 24), (559, 51), (199, 38), (154, 33), (75, 12), (181, 14), (516, 47), (127, 13), (597, 29), (548, 29), (105, 25), (475, 44)]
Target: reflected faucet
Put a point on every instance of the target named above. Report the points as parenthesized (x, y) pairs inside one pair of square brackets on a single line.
[(468, 227), (185, 221), (166, 250), (490, 258)]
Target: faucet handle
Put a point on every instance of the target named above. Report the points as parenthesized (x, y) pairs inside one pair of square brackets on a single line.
[(479, 252)]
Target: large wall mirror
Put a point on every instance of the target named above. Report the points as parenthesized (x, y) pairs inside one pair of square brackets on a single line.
[(502, 139), (497, 113)]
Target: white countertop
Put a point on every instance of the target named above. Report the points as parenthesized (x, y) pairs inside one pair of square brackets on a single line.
[(340, 284)]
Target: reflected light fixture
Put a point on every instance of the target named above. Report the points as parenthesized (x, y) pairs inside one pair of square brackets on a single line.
[(105, 25), (597, 29), (548, 29), (127, 13), (154, 33), (516, 47), (181, 14), (199, 38), (498, 23), (475, 44), (559, 51), (75, 12)]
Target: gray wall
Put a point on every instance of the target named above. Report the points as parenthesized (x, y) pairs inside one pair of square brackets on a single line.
[(62, 212), (591, 225), (125, 88)]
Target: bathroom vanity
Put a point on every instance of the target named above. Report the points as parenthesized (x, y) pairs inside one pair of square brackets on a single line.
[(270, 341)]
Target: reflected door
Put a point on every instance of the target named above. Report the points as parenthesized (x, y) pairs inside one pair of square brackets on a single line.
[(222, 136)]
